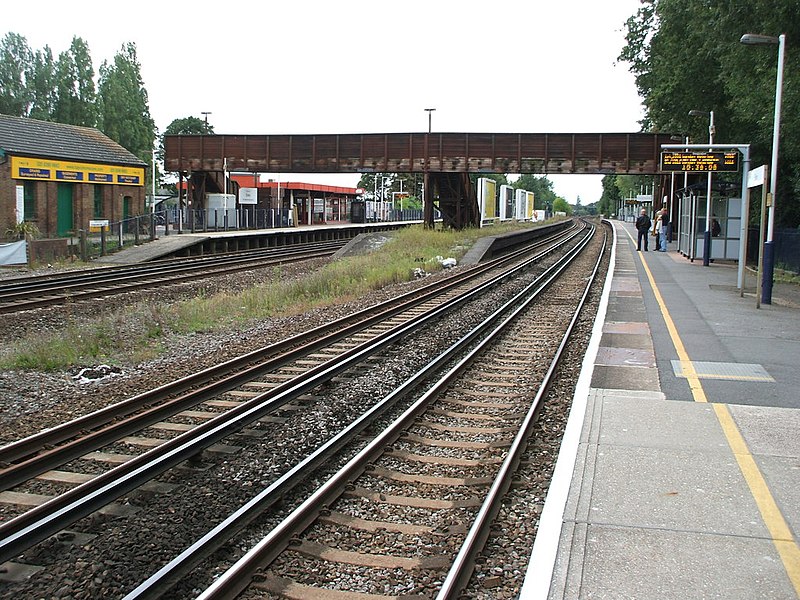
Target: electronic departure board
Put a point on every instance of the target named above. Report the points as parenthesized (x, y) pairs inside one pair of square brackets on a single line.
[(723, 162)]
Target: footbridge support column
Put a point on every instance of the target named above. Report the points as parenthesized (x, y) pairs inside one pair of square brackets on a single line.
[(454, 196)]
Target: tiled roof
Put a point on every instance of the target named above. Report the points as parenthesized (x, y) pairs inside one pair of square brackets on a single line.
[(29, 137)]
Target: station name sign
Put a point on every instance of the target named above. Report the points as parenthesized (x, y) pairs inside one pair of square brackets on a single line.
[(724, 162)]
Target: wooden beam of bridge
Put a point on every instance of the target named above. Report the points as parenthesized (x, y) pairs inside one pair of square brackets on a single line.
[(540, 153)]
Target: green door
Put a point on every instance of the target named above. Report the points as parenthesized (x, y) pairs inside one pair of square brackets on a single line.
[(64, 206)]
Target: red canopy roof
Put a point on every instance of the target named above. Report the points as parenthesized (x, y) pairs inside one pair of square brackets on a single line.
[(251, 181)]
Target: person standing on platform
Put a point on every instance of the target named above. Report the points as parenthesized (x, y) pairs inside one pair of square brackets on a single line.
[(643, 227), (664, 230), (657, 230)]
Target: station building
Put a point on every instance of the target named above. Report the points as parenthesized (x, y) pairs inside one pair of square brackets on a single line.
[(59, 177), (313, 204)]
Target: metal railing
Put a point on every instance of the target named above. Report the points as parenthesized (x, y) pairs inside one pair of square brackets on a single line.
[(231, 219), (132, 231), (143, 228)]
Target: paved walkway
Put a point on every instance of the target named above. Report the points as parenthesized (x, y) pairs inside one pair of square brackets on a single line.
[(679, 474)]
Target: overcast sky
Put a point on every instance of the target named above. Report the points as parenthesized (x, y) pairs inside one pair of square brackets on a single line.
[(352, 66)]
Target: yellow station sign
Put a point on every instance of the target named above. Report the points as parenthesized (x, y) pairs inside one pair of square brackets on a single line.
[(44, 169)]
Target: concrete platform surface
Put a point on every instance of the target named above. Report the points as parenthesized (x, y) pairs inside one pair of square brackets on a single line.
[(679, 473), (159, 248)]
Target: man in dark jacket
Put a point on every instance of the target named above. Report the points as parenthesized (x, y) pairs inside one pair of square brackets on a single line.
[(643, 227)]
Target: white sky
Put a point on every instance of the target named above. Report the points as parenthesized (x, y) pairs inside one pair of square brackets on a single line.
[(352, 66)]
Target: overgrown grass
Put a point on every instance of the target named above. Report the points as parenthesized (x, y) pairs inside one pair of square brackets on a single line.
[(136, 333), (79, 344), (784, 276)]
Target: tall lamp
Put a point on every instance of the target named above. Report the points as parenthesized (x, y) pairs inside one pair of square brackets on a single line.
[(205, 113), (753, 39), (429, 111), (707, 235)]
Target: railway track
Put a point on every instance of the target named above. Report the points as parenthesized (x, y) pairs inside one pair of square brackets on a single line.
[(28, 293), (268, 367), (400, 510), (265, 396)]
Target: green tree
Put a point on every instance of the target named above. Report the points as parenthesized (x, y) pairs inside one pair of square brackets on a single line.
[(609, 200), (581, 209), (378, 185), (373, 184), (561, 205), (40, 78), (676, 69), (188, 126), (498, 178), (686, 55), (542, 188), (411, 184), (76, 98), (630, 186), (124, 110), (185, 126), (15, 56)]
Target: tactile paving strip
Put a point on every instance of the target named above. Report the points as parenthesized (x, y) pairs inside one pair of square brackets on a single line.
[(721, 370)]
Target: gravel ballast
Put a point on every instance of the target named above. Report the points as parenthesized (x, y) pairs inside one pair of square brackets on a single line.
[(32, 401)]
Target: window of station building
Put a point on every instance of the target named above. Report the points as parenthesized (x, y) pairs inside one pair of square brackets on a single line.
[(331, 210), (98, 202), (29, 194), (334, 209)]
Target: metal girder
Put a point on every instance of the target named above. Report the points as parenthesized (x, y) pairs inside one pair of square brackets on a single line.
[(540, 153)]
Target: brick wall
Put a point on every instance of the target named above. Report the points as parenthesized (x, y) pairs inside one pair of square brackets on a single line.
[(8, 198), (47, 207), (46, 195)]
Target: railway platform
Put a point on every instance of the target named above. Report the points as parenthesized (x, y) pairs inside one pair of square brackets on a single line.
[(187, 243), (679, 473)]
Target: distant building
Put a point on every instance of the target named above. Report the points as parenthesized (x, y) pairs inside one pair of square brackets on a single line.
[(61, 176), (314, 203)]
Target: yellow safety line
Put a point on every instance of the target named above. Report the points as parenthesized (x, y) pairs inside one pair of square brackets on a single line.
[(687, 367), (773, 518), (781, 535)]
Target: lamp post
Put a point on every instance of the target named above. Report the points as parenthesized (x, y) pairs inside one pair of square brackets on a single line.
[(429, 111), (383, 196), (427, 197), (707, 235), (753, 39), (205, 114)]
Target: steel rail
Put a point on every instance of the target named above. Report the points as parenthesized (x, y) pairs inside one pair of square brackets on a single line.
[(15, 301), (22, 459), (233, 581), (170, 573), (102, 273), (35, 525), (460, 573)]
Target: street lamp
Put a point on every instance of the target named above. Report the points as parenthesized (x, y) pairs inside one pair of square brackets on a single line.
[(429, 111), (707, 236), (383, 196), (753, 39), (205, 113)]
